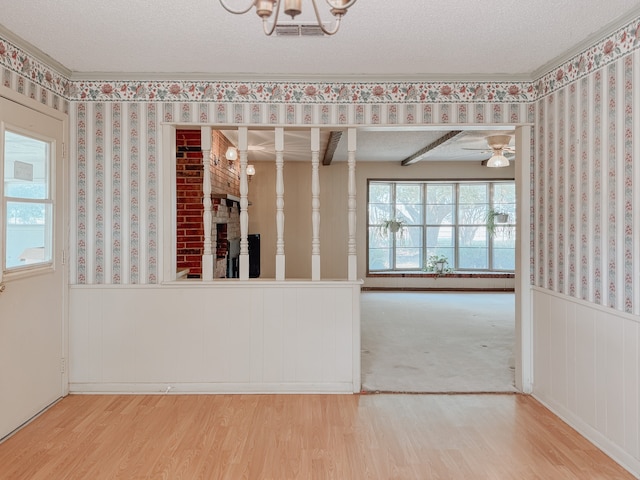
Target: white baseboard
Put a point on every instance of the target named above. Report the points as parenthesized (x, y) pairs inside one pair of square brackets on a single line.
[(213, 388), (611, 449)]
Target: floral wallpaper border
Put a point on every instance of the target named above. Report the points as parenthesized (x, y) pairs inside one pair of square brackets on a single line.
[(614, 46), (293, 92), (14, 58)]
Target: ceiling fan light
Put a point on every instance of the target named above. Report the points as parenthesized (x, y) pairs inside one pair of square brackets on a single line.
[(498, 160)]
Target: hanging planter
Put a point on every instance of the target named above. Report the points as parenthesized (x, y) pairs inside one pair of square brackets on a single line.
[(502, 218), (394, 226), (494, 219)]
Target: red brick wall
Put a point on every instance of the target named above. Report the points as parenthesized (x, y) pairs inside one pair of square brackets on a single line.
[(189, 174), (225, 176), (225, 179)]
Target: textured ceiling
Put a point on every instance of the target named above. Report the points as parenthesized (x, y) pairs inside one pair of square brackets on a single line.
[(379, 39)]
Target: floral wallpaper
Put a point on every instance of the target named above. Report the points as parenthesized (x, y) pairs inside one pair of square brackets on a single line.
[(584, 239), (587, 230)]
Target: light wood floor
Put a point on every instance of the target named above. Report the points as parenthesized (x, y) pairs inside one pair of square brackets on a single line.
[(345, 437)]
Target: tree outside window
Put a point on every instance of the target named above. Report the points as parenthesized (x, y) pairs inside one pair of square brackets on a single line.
[(444, 219)]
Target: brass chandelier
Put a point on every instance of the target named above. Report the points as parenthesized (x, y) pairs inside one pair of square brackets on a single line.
[(265, 10)]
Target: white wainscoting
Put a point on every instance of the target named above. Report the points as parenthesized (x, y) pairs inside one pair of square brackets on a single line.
[(215, 337), (587, 371)]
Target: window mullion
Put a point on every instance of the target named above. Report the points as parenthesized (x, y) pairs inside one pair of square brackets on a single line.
[(456, 226), (393, 236), (423, 253), (492, 202)]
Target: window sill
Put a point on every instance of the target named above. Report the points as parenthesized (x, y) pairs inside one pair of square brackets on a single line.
[(436, 275)]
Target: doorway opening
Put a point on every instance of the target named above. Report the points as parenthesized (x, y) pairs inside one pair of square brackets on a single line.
[(435, 342)]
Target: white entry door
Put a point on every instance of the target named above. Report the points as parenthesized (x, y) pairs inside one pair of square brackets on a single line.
[(32, 277)]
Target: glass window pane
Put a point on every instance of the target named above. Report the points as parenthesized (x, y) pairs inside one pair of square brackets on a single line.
[(504, 237), (473, 252), (379, 258), (26, 169), (473, 258), (440, 204), (378, 213), (408, 193), (439, 237), (504, 200), (410, 237), (440, 194), (473, 214), (472, 193), (473, 203), (28, 234), (472, 237), (504, 193), (28, 222), (409, 214), (379, 192), (504, 259), (409, 203), (408, 258), (440, 214)]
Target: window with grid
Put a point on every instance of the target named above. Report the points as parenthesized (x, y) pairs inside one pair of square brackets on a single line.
[(451, 219), (27, 202)]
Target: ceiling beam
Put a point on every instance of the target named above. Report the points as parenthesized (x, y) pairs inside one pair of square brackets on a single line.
[(332, 144), (443, 139)]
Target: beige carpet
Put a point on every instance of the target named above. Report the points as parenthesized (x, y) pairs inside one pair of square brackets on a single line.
[(437, 342)]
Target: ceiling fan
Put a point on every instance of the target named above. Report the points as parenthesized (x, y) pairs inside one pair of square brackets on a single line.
[(501, 151)]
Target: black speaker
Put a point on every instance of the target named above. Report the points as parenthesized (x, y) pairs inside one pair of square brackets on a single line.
[(254, 255)]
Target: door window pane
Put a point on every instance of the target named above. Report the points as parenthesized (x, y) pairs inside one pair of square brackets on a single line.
[(27, 201)]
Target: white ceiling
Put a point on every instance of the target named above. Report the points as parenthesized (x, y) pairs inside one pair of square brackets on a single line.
[(383, 39), (379, 40)]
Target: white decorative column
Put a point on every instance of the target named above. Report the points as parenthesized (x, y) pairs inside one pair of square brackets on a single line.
[(280, 259), (352, 259), (243, 139), (207, 254), (315, 204)]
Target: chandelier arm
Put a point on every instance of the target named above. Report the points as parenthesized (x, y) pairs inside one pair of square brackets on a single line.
[(347, 5), (269, 30), (319, 20), (237, 12)]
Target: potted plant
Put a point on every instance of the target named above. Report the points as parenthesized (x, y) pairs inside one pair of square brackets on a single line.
[(394, 226), (495, 218), (437, 264)]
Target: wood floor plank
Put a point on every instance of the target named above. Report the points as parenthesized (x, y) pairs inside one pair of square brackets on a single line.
[(102, 437)]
